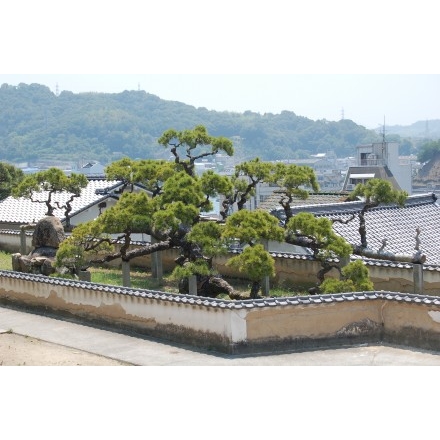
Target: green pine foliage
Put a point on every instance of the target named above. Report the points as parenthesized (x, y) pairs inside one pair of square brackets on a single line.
[(355, 278), (254, 262), (10, 177)]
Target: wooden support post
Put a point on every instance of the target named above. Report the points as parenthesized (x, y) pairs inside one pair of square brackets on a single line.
[(126, 282), (156, 263), (192, 285), (265, 285), (85, 275), (23, 240), (418, 278), (23, 229)]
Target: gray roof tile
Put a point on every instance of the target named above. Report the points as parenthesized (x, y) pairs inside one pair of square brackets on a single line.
[(395, 224), (272, 202), (24, 211)]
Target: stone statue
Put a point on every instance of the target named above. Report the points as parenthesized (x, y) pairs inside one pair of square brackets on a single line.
[(417, 248), (384, 243), (46, 239)]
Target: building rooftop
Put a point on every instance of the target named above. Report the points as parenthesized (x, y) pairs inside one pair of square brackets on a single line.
[(272, 202), (24, 211), (397, 225), (369, 172)]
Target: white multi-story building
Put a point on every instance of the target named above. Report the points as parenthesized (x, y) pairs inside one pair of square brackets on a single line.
[(379, 160)]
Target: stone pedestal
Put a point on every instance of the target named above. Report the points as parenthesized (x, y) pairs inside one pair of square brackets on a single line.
[(418, 278)]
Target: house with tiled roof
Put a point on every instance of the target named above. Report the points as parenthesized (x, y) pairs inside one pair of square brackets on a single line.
[(272, 203), (389, 227), (427, 178), (91, 169), (100, 194)]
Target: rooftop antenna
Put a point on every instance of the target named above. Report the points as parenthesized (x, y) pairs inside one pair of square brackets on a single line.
[(384, 143), (342, 114), (139, 87)]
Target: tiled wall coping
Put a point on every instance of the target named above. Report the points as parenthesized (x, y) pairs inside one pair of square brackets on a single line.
[(222, 303), (241, 326)]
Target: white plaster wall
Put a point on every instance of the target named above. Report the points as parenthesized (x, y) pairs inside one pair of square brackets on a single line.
[(229, 323), (90, 213), (251, 324)]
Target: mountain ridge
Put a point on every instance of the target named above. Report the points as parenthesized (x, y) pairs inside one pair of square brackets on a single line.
[(37, 124)]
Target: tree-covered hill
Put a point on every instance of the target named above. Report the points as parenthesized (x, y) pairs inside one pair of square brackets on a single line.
[(36, 125), (421, 129)]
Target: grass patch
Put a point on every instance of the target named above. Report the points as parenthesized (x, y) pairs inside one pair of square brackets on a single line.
[(287, 288), (5, 260), (139, 278)]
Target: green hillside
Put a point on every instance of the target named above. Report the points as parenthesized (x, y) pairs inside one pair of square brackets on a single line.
[(420, 130), (36, 125)]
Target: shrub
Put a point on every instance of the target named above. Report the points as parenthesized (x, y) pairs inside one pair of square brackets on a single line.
[(355, 278)]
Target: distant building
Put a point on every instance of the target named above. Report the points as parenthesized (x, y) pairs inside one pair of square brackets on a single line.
[(204, 165), (427, 177), (90, 169), (380, 161), (328, 169)]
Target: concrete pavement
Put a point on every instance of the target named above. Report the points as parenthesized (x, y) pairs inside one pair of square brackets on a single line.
[(148, 352)]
